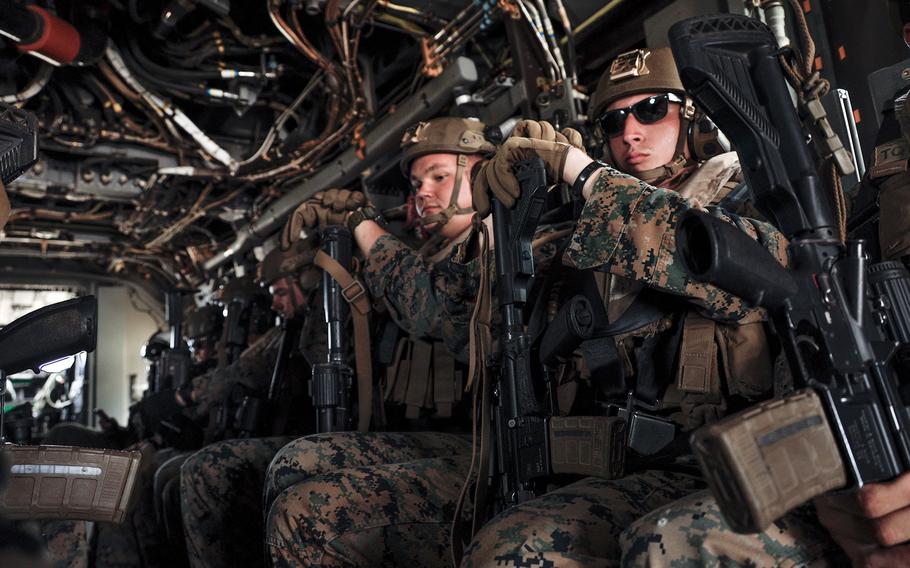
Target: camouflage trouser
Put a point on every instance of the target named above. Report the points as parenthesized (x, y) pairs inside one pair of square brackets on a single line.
[(221, 499), (577, 525), (390, 480), (324, 453), (692, 531), (385, 515), (67, 543)]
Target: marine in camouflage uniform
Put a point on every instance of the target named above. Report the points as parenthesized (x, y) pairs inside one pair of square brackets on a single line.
[(387, 499), (693, 528), (626, 229), (220, 485)]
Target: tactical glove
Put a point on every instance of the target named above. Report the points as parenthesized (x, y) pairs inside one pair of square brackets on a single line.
[(496, 176), (543, 130), (324, 209)]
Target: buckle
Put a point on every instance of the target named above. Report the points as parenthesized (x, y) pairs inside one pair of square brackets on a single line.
[(358, 292)]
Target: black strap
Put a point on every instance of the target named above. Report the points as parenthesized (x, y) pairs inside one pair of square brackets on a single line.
[(579, 184)]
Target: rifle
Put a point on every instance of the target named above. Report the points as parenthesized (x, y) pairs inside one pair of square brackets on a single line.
[(330, 385), (844, 324), (174, 366), (250, 417), (236, 326), (521, 422), (532, 443), (18, 142)]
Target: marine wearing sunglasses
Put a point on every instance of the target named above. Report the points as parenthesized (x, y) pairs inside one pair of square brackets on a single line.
[(642, 130)]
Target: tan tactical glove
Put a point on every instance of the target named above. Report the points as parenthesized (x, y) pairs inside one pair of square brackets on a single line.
[(543, 130), (496, 177), (325, 208)]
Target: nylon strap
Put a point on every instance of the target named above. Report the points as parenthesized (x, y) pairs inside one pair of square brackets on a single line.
[(403, 371), (443, 217), (355, 294), (420, 379), (445, 389), (480, 339)]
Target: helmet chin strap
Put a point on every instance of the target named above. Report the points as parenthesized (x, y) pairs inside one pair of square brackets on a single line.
[(437, 221)]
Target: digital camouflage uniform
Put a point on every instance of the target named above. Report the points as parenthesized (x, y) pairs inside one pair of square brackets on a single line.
[(67, 543), (387, 499), (377, 506), (221, 484), (367, 499), (221, 501), (336, 517), (626, 228), (692, 531), (693, 528)]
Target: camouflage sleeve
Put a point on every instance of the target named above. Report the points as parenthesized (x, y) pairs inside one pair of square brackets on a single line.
[(201, 391), (426, 300), (627, 227)]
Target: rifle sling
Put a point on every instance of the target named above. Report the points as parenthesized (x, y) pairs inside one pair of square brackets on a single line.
[(445, 387), (355, 294), (480, 341)]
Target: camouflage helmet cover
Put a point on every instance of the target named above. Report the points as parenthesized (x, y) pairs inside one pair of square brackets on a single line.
[(202, 322), (290, 262), (445, 135), (239, 289), (635, 72)]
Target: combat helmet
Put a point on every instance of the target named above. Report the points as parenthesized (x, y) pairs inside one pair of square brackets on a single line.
[(445, 135), (654, 71), (203, 322), (288, 262)]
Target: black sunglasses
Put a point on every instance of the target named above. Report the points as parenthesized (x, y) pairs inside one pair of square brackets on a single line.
[(646, 111)]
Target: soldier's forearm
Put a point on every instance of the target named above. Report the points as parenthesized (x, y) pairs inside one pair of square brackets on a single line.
[(366, 234), (576, 160)]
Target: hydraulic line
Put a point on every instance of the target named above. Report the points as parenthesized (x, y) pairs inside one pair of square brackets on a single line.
[(34, 86), (172, 112)]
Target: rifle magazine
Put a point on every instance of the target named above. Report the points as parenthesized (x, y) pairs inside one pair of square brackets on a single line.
[(588, 445), (767, 460)]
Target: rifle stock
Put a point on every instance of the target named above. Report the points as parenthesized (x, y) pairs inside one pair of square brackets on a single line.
[(849, 425)]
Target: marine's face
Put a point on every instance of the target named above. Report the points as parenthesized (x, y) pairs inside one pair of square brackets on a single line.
[(201, 348), (642, 147), (433, 180), (287, 298)]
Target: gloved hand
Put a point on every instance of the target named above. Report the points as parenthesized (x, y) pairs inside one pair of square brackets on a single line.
[(543, 130), (495, 176), (325, 208)]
